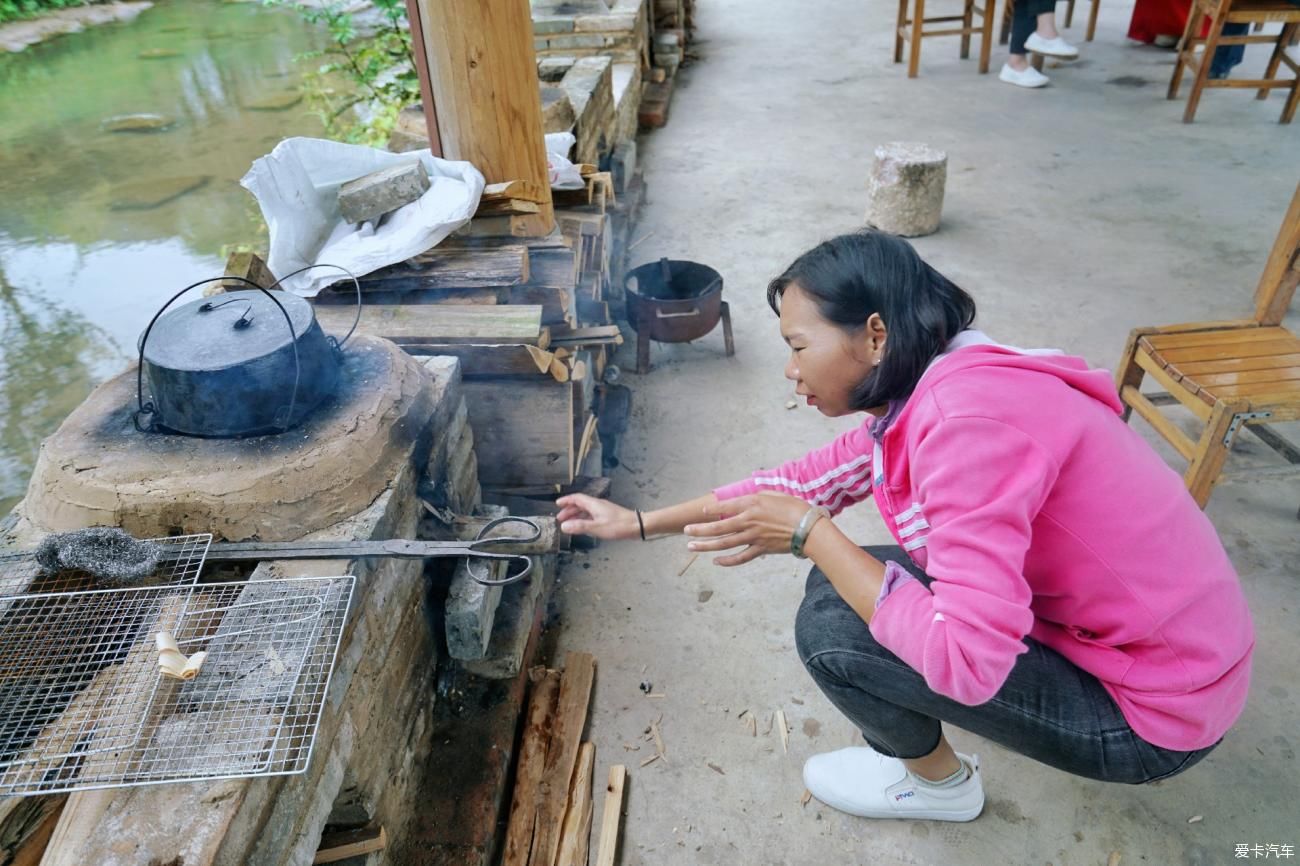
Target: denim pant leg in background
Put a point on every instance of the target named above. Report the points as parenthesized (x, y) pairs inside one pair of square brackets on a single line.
[(1228, 56), (1048, 709), (1024, 21)]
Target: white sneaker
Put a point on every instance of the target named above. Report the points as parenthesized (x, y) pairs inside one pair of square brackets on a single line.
[(1027, 77), (1054, 47), (863, 782)]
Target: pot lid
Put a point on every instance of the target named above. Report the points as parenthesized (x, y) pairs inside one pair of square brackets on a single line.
[(226, 330)]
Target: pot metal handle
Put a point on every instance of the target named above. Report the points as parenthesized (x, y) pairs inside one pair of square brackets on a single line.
[(149, 409), (660, 314)]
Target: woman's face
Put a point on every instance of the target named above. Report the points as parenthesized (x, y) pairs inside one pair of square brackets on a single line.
[(826, 363)]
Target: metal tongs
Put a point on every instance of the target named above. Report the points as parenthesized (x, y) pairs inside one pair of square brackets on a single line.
[(521, 546)]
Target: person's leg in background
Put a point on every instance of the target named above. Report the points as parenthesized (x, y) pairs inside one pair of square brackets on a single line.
[(1228, 56), (1033, 28)]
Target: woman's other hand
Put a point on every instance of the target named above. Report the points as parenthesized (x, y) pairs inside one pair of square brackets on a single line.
[(581, 514), (762, 523)]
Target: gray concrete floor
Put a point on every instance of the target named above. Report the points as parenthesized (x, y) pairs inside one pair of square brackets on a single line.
[(1073, 214)]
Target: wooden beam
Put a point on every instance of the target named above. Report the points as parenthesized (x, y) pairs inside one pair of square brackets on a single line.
[(437, 324), (612, 816), (562, 757), (350, 843), (483, 78), (414, 20)]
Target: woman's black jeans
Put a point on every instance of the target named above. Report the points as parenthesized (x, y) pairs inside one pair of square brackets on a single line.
[(1024, 21), (1048, 709)]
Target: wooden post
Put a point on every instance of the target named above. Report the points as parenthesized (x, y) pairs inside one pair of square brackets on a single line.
[(422, 70), (483, 77)]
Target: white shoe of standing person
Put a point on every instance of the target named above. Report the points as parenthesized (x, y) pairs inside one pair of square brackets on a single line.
[(1054, 47), (1027, 77), (863, 782)]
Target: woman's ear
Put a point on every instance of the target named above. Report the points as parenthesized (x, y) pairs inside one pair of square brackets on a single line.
[(876, 334)]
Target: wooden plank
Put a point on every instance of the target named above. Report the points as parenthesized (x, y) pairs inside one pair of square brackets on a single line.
[(553, 266), (1162, 342), (576, 829), (438, 324), (562, 757), (593, 313), (491, 361), (516, 189), (1288, 390), (559, 306), (1228, 365), (532, 761), (506, 207), (350, 843), (1172, 385), (612, 816), (1278, 374), (588, 336), (1242, 350), (454, 267), (1174, 436), (483, 77), (523, 433)]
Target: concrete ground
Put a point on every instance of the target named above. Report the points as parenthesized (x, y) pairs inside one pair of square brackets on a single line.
[(1072, 215)]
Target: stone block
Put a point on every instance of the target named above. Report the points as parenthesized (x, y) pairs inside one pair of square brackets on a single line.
[(472, 607), (576, 40), (516, 615), (625, 81), (553, 24), (383, 191), (905, 190), (605, 23), (552, 68), (557, 111)]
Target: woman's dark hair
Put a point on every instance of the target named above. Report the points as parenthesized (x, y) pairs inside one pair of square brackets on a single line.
[(854, 275)]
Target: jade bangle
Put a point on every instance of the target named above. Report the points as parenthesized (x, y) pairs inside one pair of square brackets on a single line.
[(801, 532)]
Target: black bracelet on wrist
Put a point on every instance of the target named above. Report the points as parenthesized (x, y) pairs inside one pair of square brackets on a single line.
[(640, 523)]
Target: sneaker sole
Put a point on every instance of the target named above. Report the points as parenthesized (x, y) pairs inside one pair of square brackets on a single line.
[(920, 815), (1074, 56)]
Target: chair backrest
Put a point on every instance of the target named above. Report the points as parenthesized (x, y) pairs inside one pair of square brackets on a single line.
[(1282, 272)]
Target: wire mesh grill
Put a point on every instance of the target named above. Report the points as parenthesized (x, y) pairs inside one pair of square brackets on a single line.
[(180, 564), (83, 705)]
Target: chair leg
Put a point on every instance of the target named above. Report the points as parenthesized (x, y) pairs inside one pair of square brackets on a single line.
[(642, 354), (986, 34), (1211, 453), (1276, 59), (967, 18), (1203, 69), (1288, 110), (898, 31), (1092, 20), (1005, 35), (1069, 14), (728, 340), (914, 55), (1129, 373), (1185, 46)]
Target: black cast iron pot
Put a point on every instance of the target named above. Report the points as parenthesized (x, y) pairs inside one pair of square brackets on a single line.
[(244, 363)]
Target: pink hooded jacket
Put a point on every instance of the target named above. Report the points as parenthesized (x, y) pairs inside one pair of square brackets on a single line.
[(1009, 478)]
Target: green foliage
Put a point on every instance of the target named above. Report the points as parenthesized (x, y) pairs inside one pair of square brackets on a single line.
[(363, 81), (12, 10)]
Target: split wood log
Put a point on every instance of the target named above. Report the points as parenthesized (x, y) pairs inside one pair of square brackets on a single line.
[(612, 816), (576, 831), (523, 430), (562, 756), (532, 764)]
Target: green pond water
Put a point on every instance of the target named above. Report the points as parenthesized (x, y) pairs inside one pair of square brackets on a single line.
[(98, 228)]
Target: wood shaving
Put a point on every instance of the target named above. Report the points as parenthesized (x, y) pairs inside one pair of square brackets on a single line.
[(785, 731), (807, 795), (649, 760), (715, 768)]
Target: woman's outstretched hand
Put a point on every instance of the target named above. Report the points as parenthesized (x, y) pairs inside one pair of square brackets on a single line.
[(761, 523), (581, 514)]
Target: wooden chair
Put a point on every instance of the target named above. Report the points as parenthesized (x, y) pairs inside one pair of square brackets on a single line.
[(1229, 374), (912, 29), (1220, 12)]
